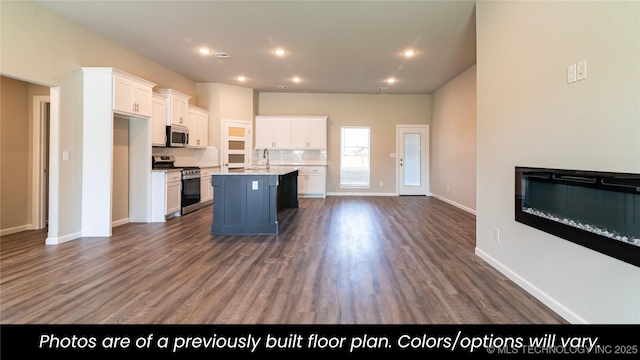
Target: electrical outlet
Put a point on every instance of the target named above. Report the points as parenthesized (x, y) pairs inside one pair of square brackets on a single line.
[(581, 70), (571, 73), (447, 187), (381, 183), (496, 234)]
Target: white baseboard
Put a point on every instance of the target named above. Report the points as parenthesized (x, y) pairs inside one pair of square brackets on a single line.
[(451, 202), (120, 222), (556, 306), (14, 230), (360, 194), (62, 239)]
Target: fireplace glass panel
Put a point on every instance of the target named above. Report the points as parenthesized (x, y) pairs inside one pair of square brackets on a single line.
[(598, 210)]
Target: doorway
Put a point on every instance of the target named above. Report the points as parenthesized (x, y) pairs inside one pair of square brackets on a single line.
[(236, 143), (412, 166)]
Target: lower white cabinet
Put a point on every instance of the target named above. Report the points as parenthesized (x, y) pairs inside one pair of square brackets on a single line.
[(166, 190), (312, 181), (206, 189)]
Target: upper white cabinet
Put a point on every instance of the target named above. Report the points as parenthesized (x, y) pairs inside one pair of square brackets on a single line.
[(273, 132), (131, 94), (178, 111), (291, 132), (309, 132), (159, 110), (198, 127)]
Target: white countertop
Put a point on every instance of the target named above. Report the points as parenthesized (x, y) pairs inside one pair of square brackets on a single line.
[(259, 170)]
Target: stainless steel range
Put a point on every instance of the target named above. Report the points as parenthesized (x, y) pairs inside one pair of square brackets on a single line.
[(190, 193), (190, 189)]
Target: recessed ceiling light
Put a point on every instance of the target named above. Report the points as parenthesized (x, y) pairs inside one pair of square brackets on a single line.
[(241, 78), (204, 51), (296, 79), (409, 53), (279, 52), (391, 80)]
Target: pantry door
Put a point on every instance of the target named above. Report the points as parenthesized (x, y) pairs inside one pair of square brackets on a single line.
[(412, 159), (236, 144)]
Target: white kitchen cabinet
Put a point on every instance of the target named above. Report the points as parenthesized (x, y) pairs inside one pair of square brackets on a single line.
[(166, 192), (312, 181), (206, 189), (178, 107), (273, 132), (173, 193), (159, 109), (131, 95), (198, 127), (309, 132)]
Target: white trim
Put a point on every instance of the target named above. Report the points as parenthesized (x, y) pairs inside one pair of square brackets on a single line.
[(54, 165), (360, 194), (14, 230), (552, 303), (38, 150), (62, 239), (451, 202), (120, 222)]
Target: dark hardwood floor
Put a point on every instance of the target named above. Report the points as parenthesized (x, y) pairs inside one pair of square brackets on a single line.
[(340, 260)]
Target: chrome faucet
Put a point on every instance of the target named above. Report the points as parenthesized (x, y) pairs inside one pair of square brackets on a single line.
[(265, 154)]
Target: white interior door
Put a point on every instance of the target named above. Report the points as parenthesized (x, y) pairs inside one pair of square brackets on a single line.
[(413, 159), (236, 144)]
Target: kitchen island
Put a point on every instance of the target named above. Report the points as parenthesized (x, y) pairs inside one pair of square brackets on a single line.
[(247, 201)]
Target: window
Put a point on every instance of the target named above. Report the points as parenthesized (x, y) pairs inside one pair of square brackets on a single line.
[(354, 157)]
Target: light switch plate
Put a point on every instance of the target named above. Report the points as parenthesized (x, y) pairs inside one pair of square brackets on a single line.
[(571, 73), (581, 70), (254, 185)]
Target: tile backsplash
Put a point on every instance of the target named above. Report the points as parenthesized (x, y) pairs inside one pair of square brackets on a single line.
[(291, 156)]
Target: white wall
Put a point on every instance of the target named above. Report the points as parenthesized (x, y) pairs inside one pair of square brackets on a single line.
[(453, 141), (528, 115)]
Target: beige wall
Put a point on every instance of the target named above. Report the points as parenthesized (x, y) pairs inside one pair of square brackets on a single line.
[(14, 153), (225, 102), (453, 141), (382, 112), (528, 115), (120, 193), (41, 47), (16, 173)]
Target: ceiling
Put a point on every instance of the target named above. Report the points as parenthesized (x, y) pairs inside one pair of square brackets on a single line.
[(333, 46)]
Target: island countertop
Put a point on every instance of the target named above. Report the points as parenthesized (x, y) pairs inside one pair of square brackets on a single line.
[(259, 170)]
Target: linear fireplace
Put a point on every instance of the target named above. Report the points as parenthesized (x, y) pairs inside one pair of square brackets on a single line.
[(598, 210)]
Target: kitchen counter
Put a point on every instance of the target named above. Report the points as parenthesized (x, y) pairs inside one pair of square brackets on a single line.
[(247, 201), (260, 170)]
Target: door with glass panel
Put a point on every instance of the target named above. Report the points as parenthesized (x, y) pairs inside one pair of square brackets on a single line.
[(413, 159), (236, 144)]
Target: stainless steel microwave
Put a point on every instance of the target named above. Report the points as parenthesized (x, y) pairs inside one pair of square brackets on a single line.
[(177, 136)]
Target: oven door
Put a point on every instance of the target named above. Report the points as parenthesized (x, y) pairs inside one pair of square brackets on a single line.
[(190, 194)]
